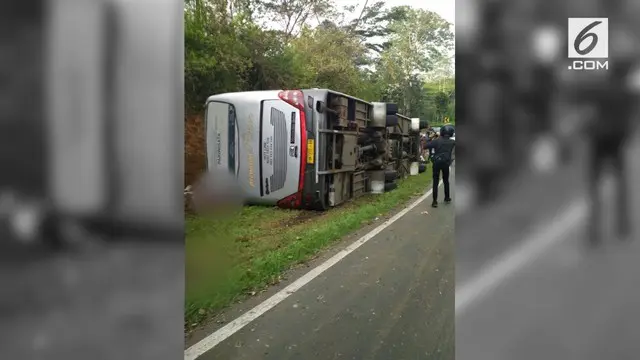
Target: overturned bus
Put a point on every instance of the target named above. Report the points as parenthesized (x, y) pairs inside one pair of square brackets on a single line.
[(308, 149), (405, 146)]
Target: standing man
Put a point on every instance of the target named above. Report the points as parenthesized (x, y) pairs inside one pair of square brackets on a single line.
[(442, 155)]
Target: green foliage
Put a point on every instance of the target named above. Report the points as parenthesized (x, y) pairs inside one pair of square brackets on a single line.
[(439, 100), (374, 23)]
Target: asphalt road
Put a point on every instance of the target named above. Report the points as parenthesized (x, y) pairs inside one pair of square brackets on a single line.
[(392, 298), (569, 301)]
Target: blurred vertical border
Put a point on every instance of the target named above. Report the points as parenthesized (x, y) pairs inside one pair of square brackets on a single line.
[(91, 134)]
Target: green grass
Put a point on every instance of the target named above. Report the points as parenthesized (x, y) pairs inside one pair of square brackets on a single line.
[(228, 259)]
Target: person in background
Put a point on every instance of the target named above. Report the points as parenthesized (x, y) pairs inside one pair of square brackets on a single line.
[(423, 142), (432, 136), (442, 148)]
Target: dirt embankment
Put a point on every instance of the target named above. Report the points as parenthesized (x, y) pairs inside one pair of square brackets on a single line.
[(194, 154), (194, 148)]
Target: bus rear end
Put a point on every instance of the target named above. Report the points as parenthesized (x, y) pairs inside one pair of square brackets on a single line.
[(284, 147), (261, 138)]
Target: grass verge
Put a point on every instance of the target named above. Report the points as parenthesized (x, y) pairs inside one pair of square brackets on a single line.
[(228, 259)]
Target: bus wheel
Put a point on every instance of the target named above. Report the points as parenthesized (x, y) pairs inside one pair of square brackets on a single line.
[(390, 175), (392, 120), (390, 186)]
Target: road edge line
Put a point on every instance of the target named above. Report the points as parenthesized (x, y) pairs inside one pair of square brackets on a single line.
[(518, 256)]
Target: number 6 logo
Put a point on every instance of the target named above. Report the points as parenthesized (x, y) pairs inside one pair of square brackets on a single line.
[(584, 35), (589, 37)]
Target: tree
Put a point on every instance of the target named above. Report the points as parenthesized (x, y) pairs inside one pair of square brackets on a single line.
[(293, 15), (373, 25), (215, 59), (419, 43), (441, 104), (439, 100), (398, 55), (328, 57)]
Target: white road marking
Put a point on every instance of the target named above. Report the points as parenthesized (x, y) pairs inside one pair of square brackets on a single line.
[(522, 254), (234, 326)]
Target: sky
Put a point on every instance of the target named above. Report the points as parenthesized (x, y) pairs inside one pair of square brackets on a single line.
[(444, 8)]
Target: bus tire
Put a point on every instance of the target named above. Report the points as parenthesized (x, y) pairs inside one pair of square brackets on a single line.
[(390, 186), (392, 120), (390, 175)]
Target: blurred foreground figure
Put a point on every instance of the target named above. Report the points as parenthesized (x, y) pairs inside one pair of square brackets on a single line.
[(88, 149), (216, 196), (91, 114), (542, 95), (442, 155), (488, 116), (608, 131)]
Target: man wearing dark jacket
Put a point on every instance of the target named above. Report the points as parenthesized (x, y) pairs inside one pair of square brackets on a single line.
[(442, 158)]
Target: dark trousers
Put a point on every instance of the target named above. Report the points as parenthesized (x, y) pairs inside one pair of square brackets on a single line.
[(608, 152), (444, 169)]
